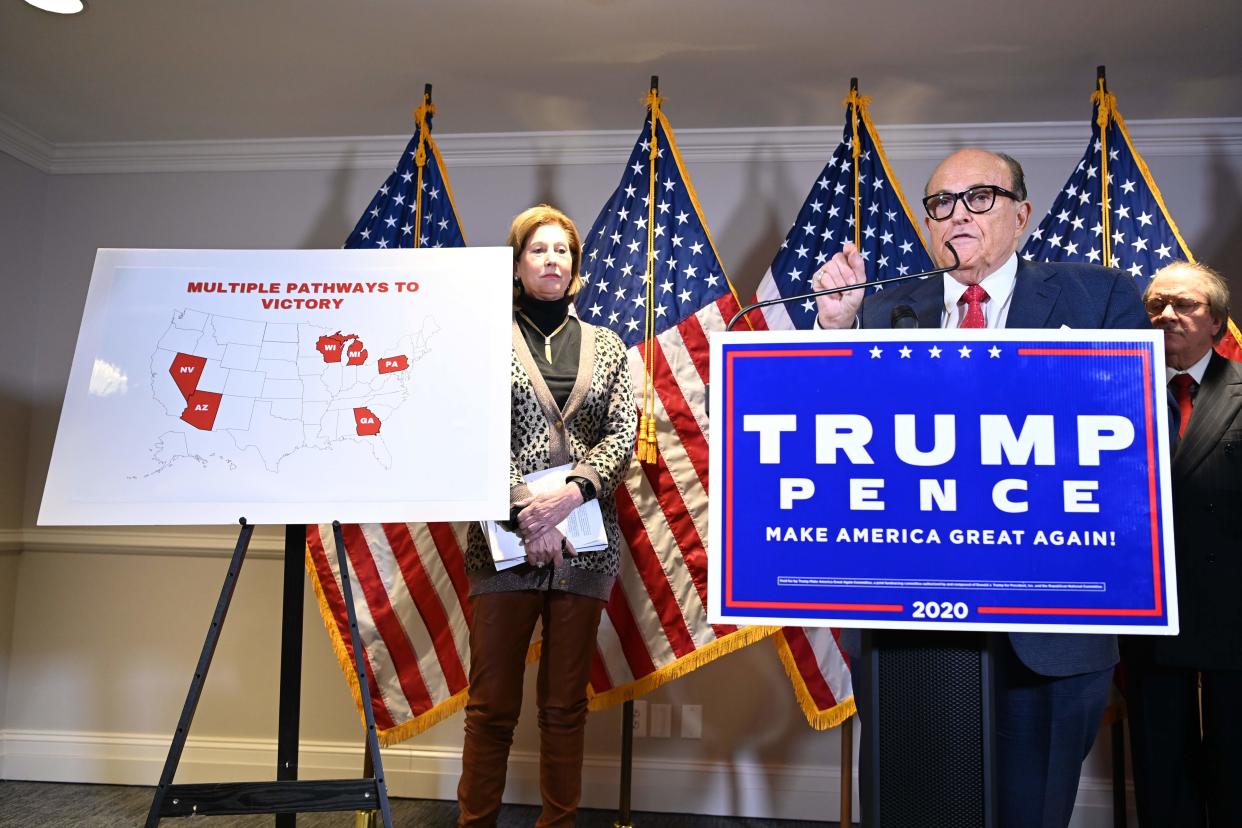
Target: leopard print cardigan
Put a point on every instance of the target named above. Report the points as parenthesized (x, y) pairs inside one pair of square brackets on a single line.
[(596, 432)]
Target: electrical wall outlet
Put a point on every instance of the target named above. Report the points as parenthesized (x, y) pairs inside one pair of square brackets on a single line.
[(640, 718), (692, 721), (661, 721)]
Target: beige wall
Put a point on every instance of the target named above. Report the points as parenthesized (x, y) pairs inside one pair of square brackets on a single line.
[(97, 638)]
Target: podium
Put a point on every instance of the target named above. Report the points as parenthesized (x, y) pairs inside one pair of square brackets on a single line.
[(928, 749)]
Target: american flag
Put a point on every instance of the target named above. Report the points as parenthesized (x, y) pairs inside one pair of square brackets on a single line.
[(1125, 225), (655, 626), (886, 232), (415, 196), (880, 223), (408, 580)]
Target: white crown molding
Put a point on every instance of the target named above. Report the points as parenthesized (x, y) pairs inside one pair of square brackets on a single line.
[(734, 788), (1181, 137), (25, 145), (213, 542)]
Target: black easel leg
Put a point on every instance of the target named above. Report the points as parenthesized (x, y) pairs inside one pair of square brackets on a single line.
[(360, 672), (200, 674), (291, 662)]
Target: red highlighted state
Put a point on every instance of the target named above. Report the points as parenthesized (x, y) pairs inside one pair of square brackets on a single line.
[(201, 409), (187, 370), (331, 346), (357, 353), (388, 365), (368, 424)]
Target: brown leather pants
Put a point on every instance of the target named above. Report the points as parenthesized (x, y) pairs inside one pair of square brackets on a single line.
[(499, 639)]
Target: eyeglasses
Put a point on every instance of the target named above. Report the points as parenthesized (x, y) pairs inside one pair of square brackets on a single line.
[(1181, 306), (939, 206)]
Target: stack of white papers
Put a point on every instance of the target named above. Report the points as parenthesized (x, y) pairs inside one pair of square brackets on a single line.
[(584, 528)]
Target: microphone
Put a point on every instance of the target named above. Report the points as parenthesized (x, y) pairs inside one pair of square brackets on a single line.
[(903, 317), (781, 300)]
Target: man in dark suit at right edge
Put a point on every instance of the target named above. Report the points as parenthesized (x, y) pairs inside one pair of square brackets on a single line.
[(1184, 693), (1051, 689)]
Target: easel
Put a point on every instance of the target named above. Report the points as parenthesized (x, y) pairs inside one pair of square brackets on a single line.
[(287, 796)]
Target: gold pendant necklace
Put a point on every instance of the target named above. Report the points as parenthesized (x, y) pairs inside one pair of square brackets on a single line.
[(547, 339)]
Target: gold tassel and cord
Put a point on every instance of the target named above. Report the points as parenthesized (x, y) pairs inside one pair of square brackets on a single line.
[(424, 110), (855, 102), (1106, 103), (646, 450)]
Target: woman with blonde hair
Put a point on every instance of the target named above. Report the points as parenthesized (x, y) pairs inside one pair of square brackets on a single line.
[(572, 403)]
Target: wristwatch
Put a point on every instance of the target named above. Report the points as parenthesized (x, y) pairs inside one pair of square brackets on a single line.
[(586, 487)]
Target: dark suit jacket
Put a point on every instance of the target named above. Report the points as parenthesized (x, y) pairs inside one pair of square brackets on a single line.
[(1207, 528), (1045, 295)]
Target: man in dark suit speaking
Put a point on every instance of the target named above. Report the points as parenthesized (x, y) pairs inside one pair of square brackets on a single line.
[(1184, 694), (1051, 688)]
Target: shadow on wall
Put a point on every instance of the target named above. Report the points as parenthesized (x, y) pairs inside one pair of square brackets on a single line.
[(15, 418), (1222, 243), (545, 189), (771, 200), (336, 217)]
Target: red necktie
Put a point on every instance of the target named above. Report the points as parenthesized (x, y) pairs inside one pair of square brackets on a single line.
[(1181, 384), (974, 298)]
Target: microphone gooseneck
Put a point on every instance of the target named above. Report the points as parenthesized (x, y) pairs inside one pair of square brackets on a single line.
[(781, 300)]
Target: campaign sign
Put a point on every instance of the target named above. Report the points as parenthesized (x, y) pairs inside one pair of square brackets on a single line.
[(984, 480)]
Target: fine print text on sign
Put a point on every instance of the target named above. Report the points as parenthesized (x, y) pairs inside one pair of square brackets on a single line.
[(942, 479)]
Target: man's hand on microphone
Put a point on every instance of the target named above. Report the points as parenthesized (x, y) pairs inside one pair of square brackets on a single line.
[(838, 310)]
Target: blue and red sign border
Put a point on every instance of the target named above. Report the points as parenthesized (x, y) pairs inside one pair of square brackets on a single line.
[(728, 349)]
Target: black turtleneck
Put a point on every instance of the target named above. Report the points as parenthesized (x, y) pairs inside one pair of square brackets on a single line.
[(536, 319)]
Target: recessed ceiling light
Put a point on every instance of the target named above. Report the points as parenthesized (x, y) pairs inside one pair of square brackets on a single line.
[(59, 6)]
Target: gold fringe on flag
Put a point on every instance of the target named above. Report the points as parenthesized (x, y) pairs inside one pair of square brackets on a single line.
[(407, 729), (743, 637), (815, 717)]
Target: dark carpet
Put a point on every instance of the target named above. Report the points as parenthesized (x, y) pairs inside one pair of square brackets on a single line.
[(37, 804)]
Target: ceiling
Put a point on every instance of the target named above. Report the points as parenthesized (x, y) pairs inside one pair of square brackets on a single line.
[(156, 70)]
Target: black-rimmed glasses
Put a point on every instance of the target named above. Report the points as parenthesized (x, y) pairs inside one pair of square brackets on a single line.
[(939, 206), (1181, 306)]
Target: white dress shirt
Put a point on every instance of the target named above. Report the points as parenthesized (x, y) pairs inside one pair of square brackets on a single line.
[(1195, 371), (999, 286)]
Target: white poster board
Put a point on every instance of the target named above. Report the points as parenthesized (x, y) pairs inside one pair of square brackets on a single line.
[(287, 386)]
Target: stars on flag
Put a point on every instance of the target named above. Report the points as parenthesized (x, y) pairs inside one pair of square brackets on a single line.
[(890, 243), (687, 274), (1142, 235), (389, 219)]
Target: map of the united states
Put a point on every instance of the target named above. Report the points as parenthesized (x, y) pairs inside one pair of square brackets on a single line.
[(239, 386)]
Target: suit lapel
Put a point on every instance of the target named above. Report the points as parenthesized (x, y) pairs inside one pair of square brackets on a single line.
[(1216, 405), (1033, 297)]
